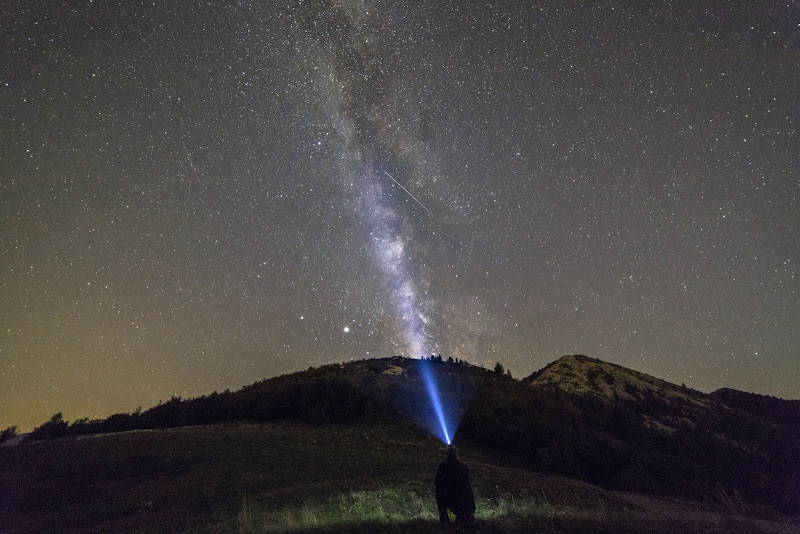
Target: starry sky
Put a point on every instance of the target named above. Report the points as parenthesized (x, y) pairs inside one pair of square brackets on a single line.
[(197, 196)]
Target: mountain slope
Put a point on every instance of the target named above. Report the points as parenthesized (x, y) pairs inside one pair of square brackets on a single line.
[(619, 386), (620, 428), (768, 408), (590, 376)]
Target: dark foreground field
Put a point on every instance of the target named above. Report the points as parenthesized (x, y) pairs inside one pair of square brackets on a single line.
[(296, 478)]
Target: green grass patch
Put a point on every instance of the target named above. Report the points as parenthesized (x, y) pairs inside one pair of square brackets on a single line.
[(396, 510), (389, 505)]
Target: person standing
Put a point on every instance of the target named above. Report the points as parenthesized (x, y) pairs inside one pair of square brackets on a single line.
[(453, 489)]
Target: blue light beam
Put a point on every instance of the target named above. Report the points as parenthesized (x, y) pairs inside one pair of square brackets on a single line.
[(433, 393)]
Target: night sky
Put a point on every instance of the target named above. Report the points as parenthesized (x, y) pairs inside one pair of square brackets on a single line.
[(197, 197)]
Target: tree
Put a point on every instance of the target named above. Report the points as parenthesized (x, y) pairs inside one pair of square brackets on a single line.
[(8, 433), (499, 369), (56, 427)]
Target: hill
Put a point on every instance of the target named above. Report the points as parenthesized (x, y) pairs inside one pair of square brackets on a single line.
[(678, 440), (582, 375), (578, 417)]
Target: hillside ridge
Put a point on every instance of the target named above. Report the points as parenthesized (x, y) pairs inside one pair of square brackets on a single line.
[(591, 376)]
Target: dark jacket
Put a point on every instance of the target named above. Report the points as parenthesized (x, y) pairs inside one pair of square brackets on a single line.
[(453, 488)]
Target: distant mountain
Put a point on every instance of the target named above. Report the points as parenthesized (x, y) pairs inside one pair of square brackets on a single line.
[(578, 416)]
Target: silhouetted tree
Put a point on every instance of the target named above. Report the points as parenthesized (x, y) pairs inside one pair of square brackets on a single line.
[(8, 433), (56, 427), (499, 369)]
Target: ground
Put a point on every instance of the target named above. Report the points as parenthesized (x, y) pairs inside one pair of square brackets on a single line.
[(292, 477)]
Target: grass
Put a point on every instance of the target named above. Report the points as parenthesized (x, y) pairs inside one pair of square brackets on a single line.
[(294, 478), (388, 505), (395, 510)]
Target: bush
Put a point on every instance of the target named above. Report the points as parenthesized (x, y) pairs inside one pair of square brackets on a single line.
[(8, 433), (56, 427)]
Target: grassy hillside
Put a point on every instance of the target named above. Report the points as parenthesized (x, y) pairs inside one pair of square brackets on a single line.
[(280, 477), (579, 417)]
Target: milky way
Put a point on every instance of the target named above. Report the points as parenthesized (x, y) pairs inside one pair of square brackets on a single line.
[(371, 118)]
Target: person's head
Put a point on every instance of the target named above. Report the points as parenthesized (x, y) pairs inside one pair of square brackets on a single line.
[(452, 452)]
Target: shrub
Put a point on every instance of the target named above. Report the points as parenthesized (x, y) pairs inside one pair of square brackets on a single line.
[(56, 427), (8, 433)]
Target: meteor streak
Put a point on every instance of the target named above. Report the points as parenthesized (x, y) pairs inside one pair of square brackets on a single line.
[(409, 193)]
